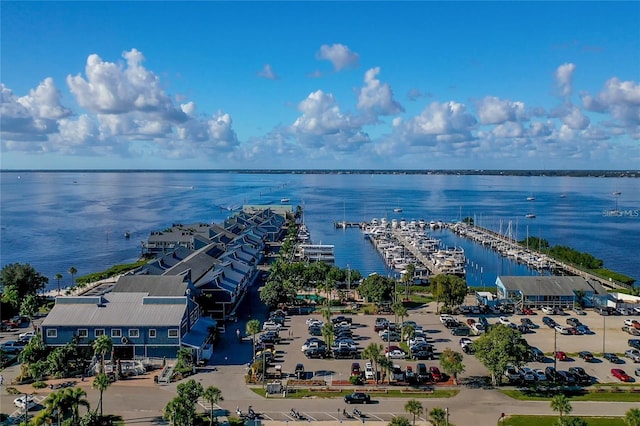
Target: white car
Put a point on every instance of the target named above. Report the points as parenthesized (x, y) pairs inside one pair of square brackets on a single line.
[(368, 371), (504, 320), (477, 328), (396, 354), (446, 317), (25, 402), (629, 321), (27, 335), (313, 321), (562, 329), (465, 341), (417, 339), (636, 310), (270, 325), (549, 310), (622, 311)]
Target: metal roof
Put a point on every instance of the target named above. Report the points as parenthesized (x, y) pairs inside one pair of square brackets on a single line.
[(153, 285), (550, 285), (117, 310)]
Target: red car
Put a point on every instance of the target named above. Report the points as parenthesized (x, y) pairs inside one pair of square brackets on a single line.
[(435, 374), (528, 311), (560, 356), (391, 348), (620, 374)]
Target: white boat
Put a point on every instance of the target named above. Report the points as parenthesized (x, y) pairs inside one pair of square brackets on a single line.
[(397, 210), (530, 216), (531, 198), (284, 200)]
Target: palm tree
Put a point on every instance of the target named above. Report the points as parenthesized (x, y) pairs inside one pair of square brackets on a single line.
[(212, 395), (632, 417), (101, 346), (386, 364), (399, 421), (328, 333), (252, 328), (437, 416), (561, 404), (413, 407), (56, 404), (76, 398), (73, 271), (58, 277), (101, 382), (372, 353)]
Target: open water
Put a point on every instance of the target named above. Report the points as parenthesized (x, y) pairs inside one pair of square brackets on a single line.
[(56, 220)]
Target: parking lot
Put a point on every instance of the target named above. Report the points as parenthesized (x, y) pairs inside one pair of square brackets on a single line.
[(295, 333)]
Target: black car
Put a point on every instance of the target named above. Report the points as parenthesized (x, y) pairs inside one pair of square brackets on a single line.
[(581, 376), (535, 354), (319, 353), (634, 343), (423, 354), (315, 330), (422, 373), (344, 353), (527, 322), (451, 323), (612, 358), (566, 377), (552, 374), (357, 398), (587, 356), (341, 318), (299, 371), (549, 322), (270, 337)]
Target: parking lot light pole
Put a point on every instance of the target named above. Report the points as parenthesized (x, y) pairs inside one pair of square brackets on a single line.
[(446, 412), (555, 357), (604, 332)]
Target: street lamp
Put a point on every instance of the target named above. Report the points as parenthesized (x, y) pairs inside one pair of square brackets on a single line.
[(446, 412), (604, 331), (555, 355)]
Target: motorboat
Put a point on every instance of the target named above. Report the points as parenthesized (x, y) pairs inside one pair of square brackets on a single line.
[(284, 200), (530, 216)]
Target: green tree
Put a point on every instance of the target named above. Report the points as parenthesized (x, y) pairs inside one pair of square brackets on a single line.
[(415, 408), (18, 281), (58, 277), (498, 348), (400, 311), (449, 289), (76, 397), (252, 328), (408, 332), (572, 421), (29, 306), (101, 346), (632, 417), (328, 333), (373, 352), (437, 416), (376, 288), (57, 405), (561, 404), (451, 363), (399, 421), (407, 279), (101, 382), (277, 292), (179, 411), (386, 365), (73, 271), (191, 390), (212, 395)]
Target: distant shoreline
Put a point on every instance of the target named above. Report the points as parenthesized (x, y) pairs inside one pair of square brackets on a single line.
[(540, 173)]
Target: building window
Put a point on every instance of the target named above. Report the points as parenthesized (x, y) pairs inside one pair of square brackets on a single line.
[(173, 332), (152, 333), (83, 333), (52, 332), (98, 332), (134, 332), (116, 332)]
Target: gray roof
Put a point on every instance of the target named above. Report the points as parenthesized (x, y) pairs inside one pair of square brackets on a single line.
[(117, 310), (153, 285), (550, 285)]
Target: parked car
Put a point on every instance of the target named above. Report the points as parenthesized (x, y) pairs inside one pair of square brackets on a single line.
[(422, 372), (423, 353), (478, 328), (634, 343), (340, 319), (315, 330), (12, 346), (587, 356), (632, 322), (560, 355), (380, 324), (460, 331), (631, 330), (317, 352), (549, 310), (581, 375), (527, 311), (27, 335), (299, 371), (573, 322), (396, 354), (527, 375), (313, 342), (527, 322), (345, 352), (612, 358), (390, 336), (540, 376), (562, 329), (579, 311), (633, 354), (535, 354), (25, 402), (620, 374), (622, 311), (270, 325), (355, 369), (504, 320), (552, 374), (549, 322), (368, 372), (512, 374), (566, 377), (436, 376), (637, 371)]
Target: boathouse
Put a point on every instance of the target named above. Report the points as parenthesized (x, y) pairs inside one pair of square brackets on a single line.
[(557, 291)]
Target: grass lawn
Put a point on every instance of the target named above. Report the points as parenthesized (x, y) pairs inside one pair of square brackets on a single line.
[(551, 421), (306, 393), (589, 396)]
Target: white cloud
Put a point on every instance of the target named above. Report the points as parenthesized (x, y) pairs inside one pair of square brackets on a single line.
[(439, 122), (115, 89), (621, 99), (376, 97), (509, 129), (31, 117), (575, 119), (339, 55), (564, 79), (493, 110), (267, 72), (538, 129), (322, 124)]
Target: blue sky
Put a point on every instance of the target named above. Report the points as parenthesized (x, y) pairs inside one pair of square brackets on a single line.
[(344, 85)]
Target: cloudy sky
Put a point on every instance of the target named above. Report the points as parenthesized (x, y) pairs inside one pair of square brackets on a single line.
[(268, 85)]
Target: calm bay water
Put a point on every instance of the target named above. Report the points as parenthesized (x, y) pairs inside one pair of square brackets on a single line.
[(56, 220)]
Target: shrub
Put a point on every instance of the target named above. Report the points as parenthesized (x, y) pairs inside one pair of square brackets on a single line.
[(39, 384)]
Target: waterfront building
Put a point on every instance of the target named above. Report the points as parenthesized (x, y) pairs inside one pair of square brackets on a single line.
[(555, 291)]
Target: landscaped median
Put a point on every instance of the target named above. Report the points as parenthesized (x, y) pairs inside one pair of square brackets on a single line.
[(522, 420), (379, 392), (598, 393)]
